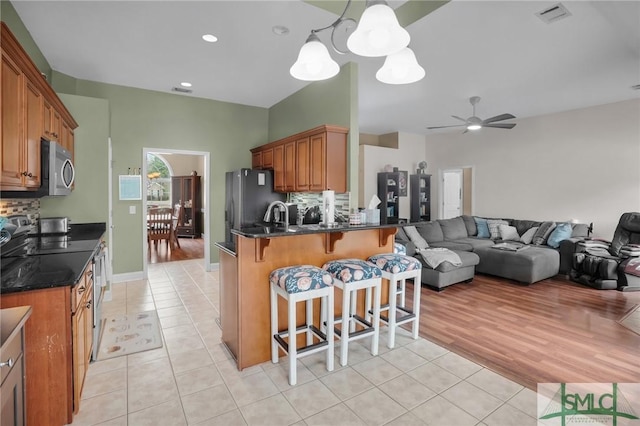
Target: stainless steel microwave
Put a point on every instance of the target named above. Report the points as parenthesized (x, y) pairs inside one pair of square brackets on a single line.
[(58, 172)]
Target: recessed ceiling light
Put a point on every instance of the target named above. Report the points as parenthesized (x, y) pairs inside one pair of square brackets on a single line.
[(210, 38), (280, 30), (186, 84)]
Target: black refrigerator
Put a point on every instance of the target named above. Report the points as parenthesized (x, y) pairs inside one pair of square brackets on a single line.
[(248, 193)]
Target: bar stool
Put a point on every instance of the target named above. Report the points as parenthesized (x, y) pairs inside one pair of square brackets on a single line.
[(350, 276), (296, 284), (397, 268)]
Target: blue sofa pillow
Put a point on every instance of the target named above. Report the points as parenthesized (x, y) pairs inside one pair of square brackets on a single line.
[(560, 233), (483, 228)]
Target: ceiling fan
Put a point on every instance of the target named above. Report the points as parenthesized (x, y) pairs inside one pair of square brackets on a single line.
[(476, 123)]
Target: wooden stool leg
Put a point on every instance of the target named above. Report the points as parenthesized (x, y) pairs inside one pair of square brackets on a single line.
[(330, 331), (376, 317), (344, 331), (417, 289), (392, 312), (274, 324), (293, 350)]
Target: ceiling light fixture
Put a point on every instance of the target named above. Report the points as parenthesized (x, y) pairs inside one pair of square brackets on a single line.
[(210, 38), (186, 84), (378, 34)]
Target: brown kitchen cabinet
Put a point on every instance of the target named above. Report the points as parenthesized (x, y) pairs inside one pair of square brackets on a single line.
[(185, 190), (12, 321), (256, 160), (82, 333), (31, 110), (58, 342), (310, 161)]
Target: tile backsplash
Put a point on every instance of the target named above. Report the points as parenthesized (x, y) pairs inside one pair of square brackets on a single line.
[(310, 199), (27, 206)]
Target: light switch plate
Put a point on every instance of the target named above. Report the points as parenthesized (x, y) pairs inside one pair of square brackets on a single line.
[(132, 209)]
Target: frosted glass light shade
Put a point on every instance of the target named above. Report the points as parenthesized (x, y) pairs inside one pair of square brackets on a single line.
[(314, 62), (378, 33), (401, 68)]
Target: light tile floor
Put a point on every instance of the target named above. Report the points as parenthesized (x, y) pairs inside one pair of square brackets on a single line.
[(192, 380)]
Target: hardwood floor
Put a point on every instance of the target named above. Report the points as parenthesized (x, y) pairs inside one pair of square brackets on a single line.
[(190, 248), (552, 331)]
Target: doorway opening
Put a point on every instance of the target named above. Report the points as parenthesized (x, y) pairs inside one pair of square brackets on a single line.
[(184, 191), (456, 192)]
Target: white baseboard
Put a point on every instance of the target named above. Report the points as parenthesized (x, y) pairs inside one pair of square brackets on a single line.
[(129, 276), (214, 266)]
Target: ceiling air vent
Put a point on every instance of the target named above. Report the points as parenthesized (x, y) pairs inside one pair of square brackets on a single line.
[(181, 90), (636, 87), (553, 13)]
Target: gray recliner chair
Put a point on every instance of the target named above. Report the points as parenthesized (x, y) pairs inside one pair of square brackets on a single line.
[(603, 267)]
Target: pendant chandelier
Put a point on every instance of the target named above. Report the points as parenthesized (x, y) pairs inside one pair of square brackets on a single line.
[(377, 34)]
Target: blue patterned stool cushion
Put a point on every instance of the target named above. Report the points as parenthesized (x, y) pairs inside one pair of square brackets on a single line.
[(351, 270), (300, 278), (395, 263), (399, 248)]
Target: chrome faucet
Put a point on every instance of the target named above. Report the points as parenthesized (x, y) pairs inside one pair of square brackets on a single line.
[(280, 205)]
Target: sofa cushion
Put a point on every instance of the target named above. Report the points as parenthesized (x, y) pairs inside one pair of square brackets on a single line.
[(543, 232), (580, 230), (453, 245), (527, 237), (415, 237), (475, 242), (523, 226), (401, 235), (470, 224), (454, 228), (431, 231), (482, 227), (560, 233), (508, 233), (493, 225)]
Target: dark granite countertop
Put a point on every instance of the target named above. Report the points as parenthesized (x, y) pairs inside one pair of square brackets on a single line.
[(46, 264), (278, 231)]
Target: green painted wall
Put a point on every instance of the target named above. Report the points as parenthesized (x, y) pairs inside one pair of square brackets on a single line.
[(10, 17), (147, 119), (333, 101), (88, 201)]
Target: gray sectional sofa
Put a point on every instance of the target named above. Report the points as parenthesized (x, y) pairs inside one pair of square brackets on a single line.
[(547, 254)]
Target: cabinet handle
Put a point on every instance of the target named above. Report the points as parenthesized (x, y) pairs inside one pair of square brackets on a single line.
[(9, 363), (81, 289), (88, 304)]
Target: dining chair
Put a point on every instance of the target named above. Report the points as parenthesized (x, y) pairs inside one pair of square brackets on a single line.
[(159, 225)]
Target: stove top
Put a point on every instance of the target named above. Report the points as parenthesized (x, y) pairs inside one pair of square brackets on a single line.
[(50, 244)]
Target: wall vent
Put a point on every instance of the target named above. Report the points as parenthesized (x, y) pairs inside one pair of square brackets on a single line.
[(554, 13), (181, 90)]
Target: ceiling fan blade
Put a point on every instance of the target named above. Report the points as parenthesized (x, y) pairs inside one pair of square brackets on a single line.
[(498, 118), (459, 118), (444, 127), (500, 125)]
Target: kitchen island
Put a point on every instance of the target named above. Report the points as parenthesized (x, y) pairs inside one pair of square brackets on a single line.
[(244, 276)]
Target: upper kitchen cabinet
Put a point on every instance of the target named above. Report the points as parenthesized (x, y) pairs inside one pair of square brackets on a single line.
[(30, 111), (310, 161)]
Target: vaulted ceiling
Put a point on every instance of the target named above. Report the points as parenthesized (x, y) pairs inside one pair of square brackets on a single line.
[(499, 50)]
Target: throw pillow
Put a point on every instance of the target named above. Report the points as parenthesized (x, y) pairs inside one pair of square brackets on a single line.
[(541, 235), (415, 237), (470, 223), (560, 233), (493, 225), (527, 237), (508, 233), (483, 228)]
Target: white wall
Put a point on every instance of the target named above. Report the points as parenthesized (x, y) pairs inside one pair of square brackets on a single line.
[(411, 150), (183, 165), (582, 164)]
